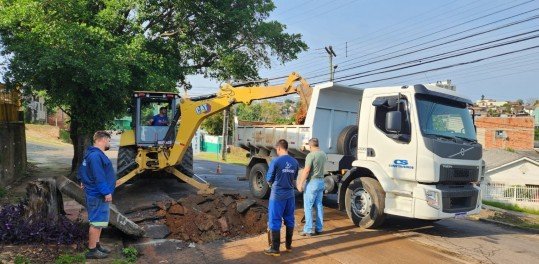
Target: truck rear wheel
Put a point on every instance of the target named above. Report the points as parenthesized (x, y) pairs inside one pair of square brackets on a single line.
[(365, 202), (257, 181), (347, 141)]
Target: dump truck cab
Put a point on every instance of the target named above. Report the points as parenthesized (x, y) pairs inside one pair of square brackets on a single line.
[(417, 156)]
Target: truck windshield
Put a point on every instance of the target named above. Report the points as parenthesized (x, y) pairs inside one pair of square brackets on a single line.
[(444, 118)]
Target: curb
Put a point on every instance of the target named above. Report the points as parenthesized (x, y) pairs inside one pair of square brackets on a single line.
[(527, 229), (492, 208)]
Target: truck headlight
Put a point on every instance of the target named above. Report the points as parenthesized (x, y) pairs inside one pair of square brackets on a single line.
[(432, 199)]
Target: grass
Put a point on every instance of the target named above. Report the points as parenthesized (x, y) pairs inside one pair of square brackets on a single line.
[(511, 207), (21, 260), (237, 156), (3, 192), (70, 259)]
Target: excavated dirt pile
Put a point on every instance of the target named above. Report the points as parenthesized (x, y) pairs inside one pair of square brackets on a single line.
[(206, 218)]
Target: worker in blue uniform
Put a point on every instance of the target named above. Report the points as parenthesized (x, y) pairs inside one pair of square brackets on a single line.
[(281, 175)]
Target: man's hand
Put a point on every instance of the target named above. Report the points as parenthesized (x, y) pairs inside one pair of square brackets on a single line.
[(108, 198), (117, 183), (299, 185), (81, 185)]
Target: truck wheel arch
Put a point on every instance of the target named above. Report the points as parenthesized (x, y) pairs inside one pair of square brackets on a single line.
[(364, 169), (349, 176), (253, 161)]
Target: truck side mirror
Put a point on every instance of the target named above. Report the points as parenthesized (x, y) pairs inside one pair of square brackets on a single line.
[(394, 121)]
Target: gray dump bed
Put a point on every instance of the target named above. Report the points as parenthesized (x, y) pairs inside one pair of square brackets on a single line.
[(332, 108)]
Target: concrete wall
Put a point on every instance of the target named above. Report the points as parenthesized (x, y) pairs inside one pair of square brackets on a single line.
[(12, 152), (519, 132)]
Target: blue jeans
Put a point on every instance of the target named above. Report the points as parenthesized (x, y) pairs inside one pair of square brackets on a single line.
[(312, 196)]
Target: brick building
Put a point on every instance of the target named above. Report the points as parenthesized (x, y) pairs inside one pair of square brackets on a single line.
[(505, 132)]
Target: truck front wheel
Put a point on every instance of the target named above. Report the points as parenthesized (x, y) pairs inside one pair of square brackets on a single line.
[(257, 181), (364, 202)]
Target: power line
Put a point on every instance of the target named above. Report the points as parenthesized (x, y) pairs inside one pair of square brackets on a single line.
[(448, 66), (392, 26), (445, 29), (447, 42), (420, 60), (454, 26)]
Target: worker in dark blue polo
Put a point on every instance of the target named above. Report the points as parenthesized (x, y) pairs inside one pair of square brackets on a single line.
[(281, 175)]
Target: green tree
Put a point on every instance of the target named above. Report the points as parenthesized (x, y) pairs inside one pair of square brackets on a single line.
[(90, 55), (249, 112)]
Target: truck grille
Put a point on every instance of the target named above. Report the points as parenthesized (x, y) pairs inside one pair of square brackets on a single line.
[(458, 198), (458, 173)]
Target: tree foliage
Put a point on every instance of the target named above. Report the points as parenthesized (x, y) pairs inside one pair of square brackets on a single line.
[(90, 55)]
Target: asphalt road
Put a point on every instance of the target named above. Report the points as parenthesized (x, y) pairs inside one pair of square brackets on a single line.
[(400, 240)]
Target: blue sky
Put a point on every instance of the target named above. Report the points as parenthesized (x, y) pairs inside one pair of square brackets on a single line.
[(364, 31)]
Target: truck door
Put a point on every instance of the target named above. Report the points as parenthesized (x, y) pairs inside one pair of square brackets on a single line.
[(394, 151)]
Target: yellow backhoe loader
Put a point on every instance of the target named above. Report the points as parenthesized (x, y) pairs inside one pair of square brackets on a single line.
[(167, 146)]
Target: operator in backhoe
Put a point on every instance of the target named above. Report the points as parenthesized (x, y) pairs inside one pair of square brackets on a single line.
[(160, 119)]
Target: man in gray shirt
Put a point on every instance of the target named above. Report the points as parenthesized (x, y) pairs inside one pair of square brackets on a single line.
[(313, 174)]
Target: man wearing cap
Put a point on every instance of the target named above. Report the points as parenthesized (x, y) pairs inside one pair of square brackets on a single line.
[(313, 190)]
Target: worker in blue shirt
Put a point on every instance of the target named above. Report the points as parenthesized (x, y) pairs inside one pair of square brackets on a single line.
[(160, 119), (281, 175), (98, 180)]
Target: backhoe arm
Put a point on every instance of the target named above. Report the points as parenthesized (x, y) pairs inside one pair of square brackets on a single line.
[(194, 112)]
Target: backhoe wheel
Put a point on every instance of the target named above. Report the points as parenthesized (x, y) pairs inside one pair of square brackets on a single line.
[(347, 141), (186, 167), (126, 160), (365, 202), (257, 181)]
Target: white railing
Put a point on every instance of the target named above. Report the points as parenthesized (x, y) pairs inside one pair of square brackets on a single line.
[(515, 194)]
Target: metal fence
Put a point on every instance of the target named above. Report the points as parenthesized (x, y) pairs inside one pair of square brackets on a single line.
[(9, 105), (515, 194)]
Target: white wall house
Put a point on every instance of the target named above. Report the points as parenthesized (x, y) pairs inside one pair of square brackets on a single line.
[(523, 171)]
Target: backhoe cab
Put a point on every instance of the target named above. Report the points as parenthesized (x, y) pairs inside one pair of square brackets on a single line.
[(151, 123)]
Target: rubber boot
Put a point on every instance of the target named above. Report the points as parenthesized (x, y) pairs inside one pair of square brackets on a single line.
[(289, 234), (275, 241)]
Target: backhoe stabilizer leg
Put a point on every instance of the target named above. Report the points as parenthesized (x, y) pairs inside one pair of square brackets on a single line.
[(128, 176), (203, 188)]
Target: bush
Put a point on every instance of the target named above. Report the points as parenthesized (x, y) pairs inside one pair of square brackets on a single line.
[(15, 229), (64, 136), (131, 254), (3, 192)]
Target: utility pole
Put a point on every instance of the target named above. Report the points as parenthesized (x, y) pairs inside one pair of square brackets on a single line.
[(331, 54), (225, 134)]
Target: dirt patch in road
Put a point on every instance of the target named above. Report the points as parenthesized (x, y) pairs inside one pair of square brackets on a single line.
[(206, 218)]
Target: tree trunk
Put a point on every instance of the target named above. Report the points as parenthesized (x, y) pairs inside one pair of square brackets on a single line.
[(43, 201), (81, 141)]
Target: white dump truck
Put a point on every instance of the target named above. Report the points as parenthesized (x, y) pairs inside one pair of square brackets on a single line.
[(408, 150)]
